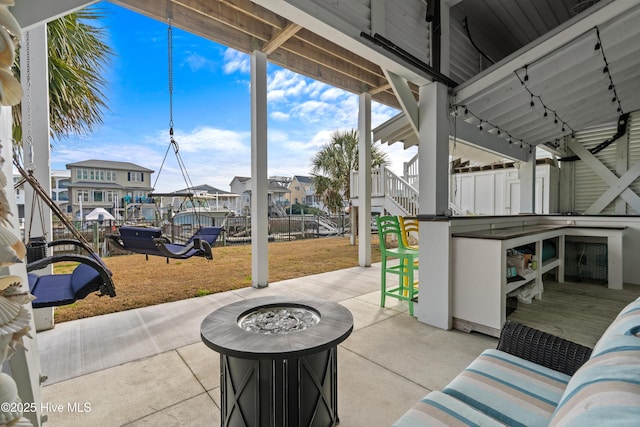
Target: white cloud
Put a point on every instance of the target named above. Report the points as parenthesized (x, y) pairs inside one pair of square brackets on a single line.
[(204, 138), (288, 87), (236, 61), (312, 111), (197, 62), (322, 138), (280, 116), (146, 156), (332, 94), (381, 113), (397, 156)]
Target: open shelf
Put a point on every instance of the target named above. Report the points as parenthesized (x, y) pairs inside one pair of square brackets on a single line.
[(512, 286), (549, 265)]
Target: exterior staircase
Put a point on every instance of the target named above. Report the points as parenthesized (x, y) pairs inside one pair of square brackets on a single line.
[(396, 195)]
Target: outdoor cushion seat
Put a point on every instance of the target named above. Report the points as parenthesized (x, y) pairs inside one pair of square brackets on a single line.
[(534, 378), (440, 409), (150, 241), (51, 290), (510, 389)]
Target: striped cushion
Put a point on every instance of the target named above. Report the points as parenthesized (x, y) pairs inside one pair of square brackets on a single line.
[(509, 389), (626, 323), (438, 409), (606, 389)]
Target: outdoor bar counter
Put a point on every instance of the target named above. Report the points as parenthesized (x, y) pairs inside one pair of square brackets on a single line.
[(478, 261)]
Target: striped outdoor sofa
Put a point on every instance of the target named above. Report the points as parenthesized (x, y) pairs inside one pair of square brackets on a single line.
[(537, 379)]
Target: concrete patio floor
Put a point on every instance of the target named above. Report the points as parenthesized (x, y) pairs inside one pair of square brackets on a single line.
[(148, 367)]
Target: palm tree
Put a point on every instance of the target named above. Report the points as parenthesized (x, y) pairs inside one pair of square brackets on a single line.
[(332, 166), (77, 57)]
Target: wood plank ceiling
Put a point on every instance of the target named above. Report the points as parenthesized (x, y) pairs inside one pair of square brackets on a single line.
[(245, 26), (505, 29)]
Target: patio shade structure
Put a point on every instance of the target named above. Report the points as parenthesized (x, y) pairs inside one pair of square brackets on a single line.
[(95, 215), (540, 49)]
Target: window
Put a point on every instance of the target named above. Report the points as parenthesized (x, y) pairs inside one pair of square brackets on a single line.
[(84, 194), (98, 196), (111, 196), (136, 177), (98, 175)]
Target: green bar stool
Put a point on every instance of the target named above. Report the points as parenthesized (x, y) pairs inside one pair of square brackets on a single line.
[(407, 289)]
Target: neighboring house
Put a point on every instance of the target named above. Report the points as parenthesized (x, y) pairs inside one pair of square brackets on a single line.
[(106, 184), (217, 199), (241, 185), (278, 194), (60, 180), (303, 192)]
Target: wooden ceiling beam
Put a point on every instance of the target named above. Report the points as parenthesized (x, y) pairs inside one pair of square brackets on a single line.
[(280, 37), (377, 90), (221, 12), (254, 12), (239, 20), (226, 23)]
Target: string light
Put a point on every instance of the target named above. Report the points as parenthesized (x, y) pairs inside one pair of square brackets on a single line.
[(523, 82), (598, 48), (490, 127), (535, 98)]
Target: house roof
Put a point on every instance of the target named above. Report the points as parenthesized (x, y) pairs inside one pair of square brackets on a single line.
[(303, 179), (108, 164), (85, 184), (204, 187), (276, 187), (241, 178)]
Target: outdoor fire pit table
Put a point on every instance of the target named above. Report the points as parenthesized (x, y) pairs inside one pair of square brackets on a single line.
[(278, 360)]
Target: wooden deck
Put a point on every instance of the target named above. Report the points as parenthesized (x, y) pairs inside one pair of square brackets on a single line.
[(577, 311)]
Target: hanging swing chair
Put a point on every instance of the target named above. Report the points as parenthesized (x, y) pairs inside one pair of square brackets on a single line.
[(90, 275), (150, 240)]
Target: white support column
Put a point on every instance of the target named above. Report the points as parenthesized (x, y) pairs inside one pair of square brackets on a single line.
[(433, 151), (36, 157), (435, 299), (259, 177), (364, 180), (37, 154), (527, 174)]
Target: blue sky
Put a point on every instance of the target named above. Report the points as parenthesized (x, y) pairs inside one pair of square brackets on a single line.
[(211, 109)]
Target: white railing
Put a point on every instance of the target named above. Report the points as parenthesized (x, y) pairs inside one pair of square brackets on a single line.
[(410, 172), (385, 183), (401, 192)]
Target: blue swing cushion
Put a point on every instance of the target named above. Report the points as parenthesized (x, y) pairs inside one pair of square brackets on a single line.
[(62, 289), (144, 240)]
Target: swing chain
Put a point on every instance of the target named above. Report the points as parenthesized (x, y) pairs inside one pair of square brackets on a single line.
[(170, 72), (30, 165)]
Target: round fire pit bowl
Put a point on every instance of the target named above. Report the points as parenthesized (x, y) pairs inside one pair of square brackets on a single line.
[(278, 360)]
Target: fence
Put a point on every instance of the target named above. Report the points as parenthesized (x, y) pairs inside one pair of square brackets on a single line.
[(237, 230)]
